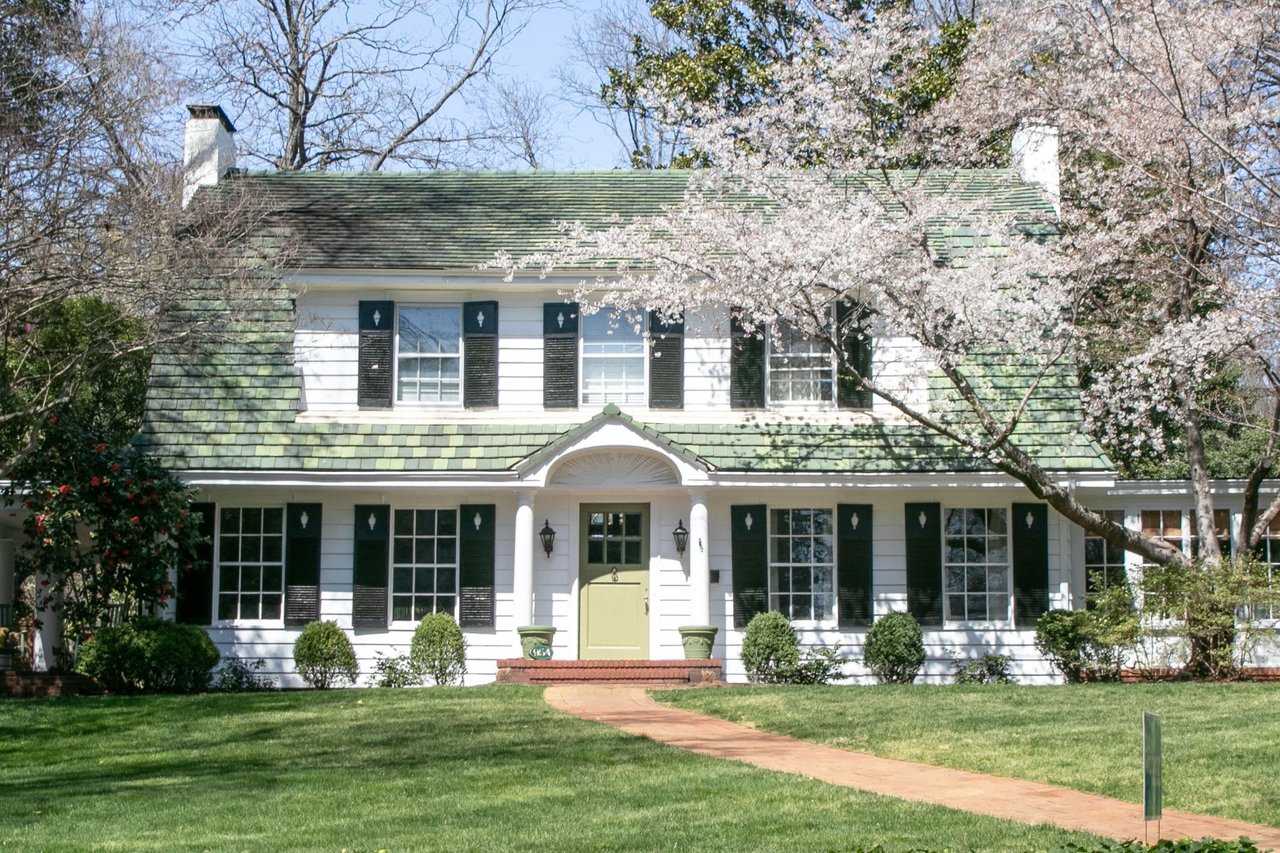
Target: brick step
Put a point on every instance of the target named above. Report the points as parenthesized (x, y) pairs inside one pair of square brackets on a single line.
[(44, 685), (525, 671)]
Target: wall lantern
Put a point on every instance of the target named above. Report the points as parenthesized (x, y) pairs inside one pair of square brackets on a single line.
[(681, 535), (548, 537)]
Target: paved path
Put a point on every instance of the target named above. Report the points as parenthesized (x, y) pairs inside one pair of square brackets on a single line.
[(630, 709)]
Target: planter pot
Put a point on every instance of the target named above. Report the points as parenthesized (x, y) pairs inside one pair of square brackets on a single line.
[(535, 641), (697, 641)]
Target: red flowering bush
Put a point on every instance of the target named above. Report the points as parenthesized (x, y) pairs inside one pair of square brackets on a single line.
[(104, 527)]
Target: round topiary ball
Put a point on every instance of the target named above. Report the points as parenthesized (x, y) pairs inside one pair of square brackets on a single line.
[(770, 648), (323, 656), (895, 648)]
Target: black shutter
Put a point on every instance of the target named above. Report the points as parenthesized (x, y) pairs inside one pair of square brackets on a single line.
[(372, 553), (476, 537), (377, 339), (924, 562), (480, 339), (1029, 532), (666, 363), (750, 543), (195, 582), (853, 569), (301, 564), (560, 355), (854, 333), (746, 366)]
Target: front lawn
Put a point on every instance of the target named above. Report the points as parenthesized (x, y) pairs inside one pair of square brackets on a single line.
[(488, 768), (1221, 741)]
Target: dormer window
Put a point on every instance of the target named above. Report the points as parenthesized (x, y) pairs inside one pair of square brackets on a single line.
[(801, 369), (613, 362), (429, 355)]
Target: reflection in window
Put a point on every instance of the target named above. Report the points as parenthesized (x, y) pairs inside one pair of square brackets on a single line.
[(976, 564), (801, 564), (613, 361), (429, 355)]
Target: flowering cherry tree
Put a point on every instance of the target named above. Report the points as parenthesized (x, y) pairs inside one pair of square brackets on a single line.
[(104, 527), (1166, 243)]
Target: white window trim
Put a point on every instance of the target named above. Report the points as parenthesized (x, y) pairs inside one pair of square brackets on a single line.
[(643, 355), (219, 622), (947, 620), (806, 405), (462, 360), (391, 563), (805, 624)]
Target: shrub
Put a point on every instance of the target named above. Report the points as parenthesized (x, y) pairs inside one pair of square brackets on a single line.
[(988, 669), (438, 650), (1090, 645), (398, 671), (239, 676), (149, 656), (895, 648), (817, 666), (770, 649), (323, 656)]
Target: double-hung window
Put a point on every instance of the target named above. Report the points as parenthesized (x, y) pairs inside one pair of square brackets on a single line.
[(801, 368), (802, 564), (1270, 555), (429, 354), (1104, 563), (975, 566), (250, 563), (1221, 529), (424, 563), (613, 361)]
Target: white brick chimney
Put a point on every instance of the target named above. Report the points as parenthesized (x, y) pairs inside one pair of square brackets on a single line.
[(1035, 156), (209, 151)]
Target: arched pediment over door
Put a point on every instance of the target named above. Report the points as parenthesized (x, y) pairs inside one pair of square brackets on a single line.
[(613, 469)]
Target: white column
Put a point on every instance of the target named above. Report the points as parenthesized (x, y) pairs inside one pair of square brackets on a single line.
[(699, 561), (522, 584)]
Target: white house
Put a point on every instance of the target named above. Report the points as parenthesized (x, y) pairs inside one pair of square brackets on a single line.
[(393, 431)]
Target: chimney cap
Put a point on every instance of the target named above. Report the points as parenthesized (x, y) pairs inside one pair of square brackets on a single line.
[(211, 111)]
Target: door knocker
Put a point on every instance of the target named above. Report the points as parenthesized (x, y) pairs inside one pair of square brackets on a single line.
[(615, 574)]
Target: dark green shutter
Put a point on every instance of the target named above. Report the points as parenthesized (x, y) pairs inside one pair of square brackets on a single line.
[(476, 538), (1029, 532), (924, 562), (746, 366), (750, 543), (301, 564), (480, 342), (377, 343), (372, 558), (560, 355), (854, 333), (195, 582), (853, 567), (666, 363)]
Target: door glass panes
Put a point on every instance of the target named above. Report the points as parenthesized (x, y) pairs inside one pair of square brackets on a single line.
[(801, 369), (424, 563), (976, 564), (613, 364), (429, 355), (801, 564), (615, 537), (250, 563)]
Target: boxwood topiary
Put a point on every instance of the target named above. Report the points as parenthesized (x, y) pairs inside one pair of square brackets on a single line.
[(438, 650), (323, 656), (770, 649), (149, 656), (895, 648)]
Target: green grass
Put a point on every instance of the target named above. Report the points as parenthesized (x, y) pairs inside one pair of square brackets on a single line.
[(1221, 741), (489, 768)]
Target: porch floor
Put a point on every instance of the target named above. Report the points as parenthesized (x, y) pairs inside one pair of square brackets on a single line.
[(657, 672)]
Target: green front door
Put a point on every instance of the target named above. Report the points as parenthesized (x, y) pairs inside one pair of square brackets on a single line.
[(614, 582)]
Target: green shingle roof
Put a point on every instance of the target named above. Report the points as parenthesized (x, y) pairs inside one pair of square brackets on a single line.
[(230, 398)]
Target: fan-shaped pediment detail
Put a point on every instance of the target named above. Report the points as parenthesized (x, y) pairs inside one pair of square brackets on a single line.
[(615, 470)]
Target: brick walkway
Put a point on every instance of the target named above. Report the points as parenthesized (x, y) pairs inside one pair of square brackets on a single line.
[(630, 709)]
